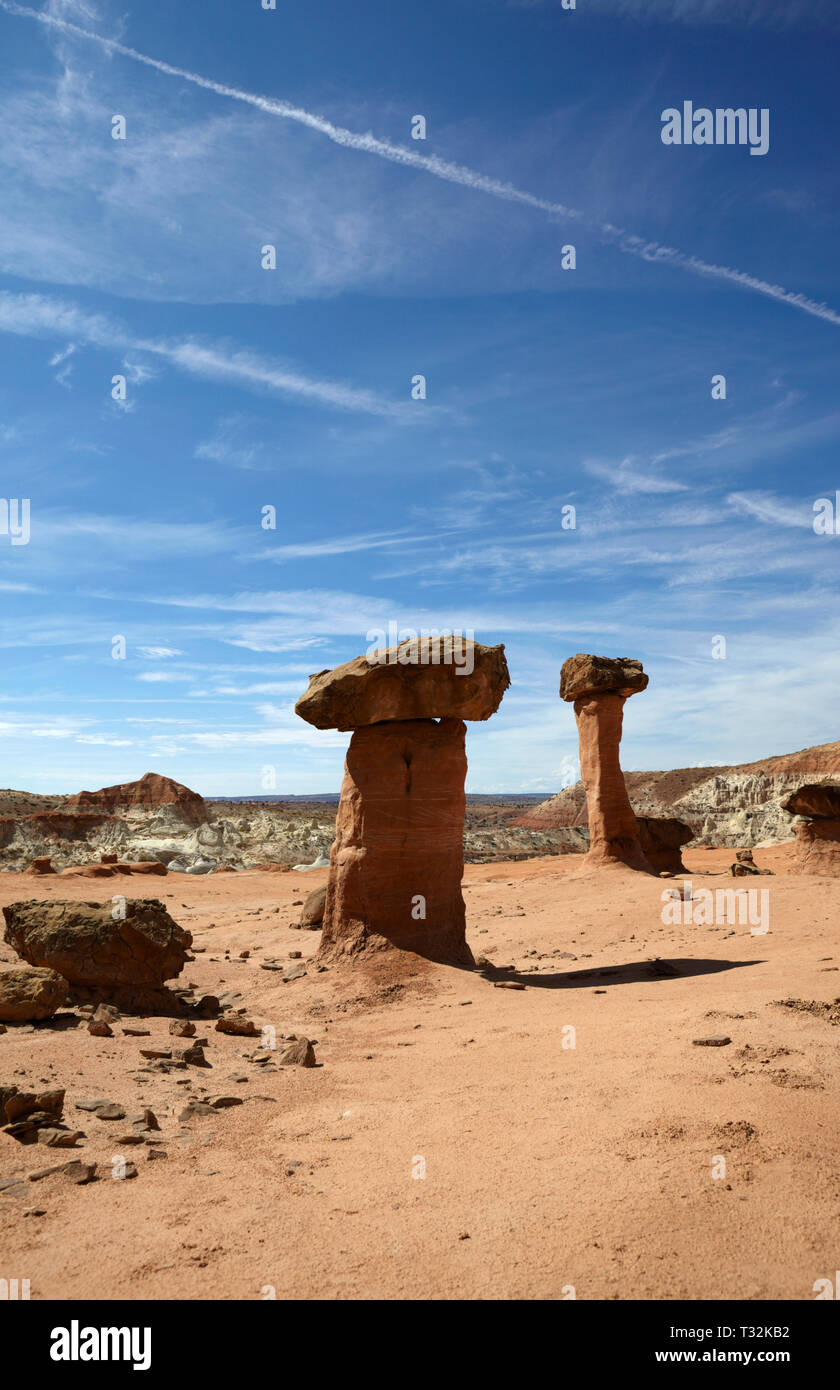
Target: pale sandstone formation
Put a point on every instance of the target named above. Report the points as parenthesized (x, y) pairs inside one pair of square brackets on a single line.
[(412, 681), (398, 858), (662, 839), (727, 805), (27, 993), (598, 687), (85, 944)]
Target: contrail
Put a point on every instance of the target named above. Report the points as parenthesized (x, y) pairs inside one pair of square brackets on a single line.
[(627, 242)]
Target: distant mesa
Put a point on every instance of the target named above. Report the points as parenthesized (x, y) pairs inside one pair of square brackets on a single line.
[(150, 793)]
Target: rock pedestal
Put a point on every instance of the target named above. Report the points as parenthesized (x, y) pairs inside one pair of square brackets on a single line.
[(598, 687), (398, 857)]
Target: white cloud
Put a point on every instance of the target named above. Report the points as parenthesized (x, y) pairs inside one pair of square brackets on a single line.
[(34, 315), (623, 477), (777, 511)]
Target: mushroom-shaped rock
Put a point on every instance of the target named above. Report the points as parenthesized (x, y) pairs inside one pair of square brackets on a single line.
[(444, 677), (817, 835), (598, 687), (27, 992), (816, 800), (662, 838), (89, 947)]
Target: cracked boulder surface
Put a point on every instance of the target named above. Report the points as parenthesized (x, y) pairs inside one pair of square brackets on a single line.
[(85, 943), (448, 677)]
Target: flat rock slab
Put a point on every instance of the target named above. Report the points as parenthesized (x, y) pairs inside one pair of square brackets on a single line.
[(719, 1040), (433, 678), (601, 675)]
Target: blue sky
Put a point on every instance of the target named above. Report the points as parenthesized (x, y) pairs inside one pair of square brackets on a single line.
[(291, 387)]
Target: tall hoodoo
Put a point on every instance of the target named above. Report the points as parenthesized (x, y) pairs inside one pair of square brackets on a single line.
[(598, 687), (398, 857)]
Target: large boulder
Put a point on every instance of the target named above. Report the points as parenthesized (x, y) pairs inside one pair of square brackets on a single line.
[(27, 992), (427, 678), (85, 944), (816, 800), (596, 675), (312, 912)]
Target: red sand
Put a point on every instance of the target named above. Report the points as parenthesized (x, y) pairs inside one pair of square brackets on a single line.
[(546, 1167)]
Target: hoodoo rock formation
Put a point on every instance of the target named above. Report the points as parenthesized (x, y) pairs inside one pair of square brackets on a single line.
[(598, 687), (817, 835), (398, 857)]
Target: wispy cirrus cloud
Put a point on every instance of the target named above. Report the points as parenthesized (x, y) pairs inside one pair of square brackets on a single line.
[(777, 511), (625, 477), (38, 316)]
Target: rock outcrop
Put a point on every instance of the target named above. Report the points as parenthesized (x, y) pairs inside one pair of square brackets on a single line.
[(816, 800), (598, 686), (737, 805), (447, 678), (83, 942), (662, 839), (151, 792), (27, 993), (40, 866)]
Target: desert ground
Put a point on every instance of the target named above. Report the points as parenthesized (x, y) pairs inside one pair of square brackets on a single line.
[(449, 1145)]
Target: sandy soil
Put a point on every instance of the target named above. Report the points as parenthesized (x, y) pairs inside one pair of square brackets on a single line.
[(545, 1166)]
